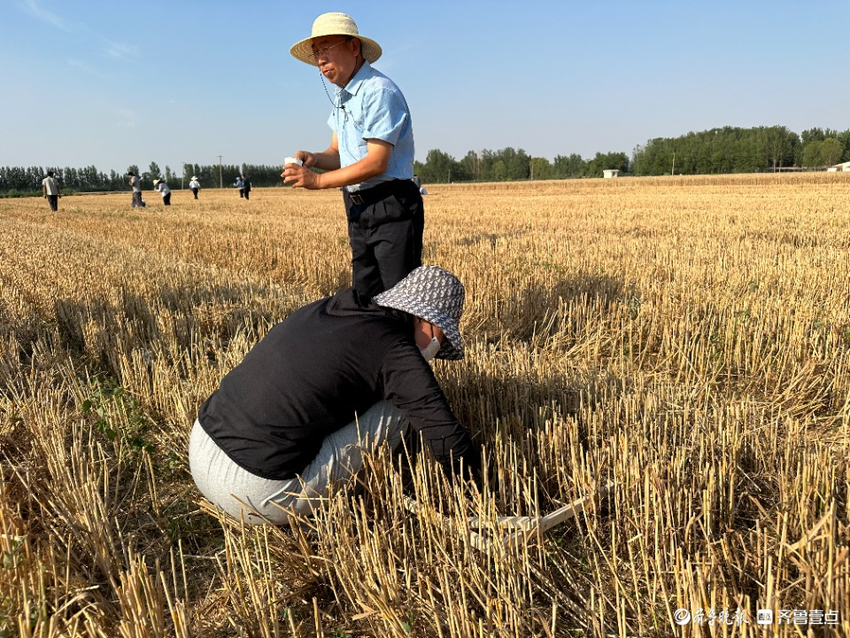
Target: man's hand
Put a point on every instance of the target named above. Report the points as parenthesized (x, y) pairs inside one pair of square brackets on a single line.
[(376, 161), (300, 176), (306, 157)]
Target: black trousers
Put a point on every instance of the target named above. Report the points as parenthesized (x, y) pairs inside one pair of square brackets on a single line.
[(166, 199), (53, 200), (385, 235), (195, 192)]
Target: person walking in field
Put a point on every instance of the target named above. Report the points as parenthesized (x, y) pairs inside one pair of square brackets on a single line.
[(50, 190), (195, 186), (240, 186), (136, 185), (161, 187), (370, 155), (336, 378), (246, 187)]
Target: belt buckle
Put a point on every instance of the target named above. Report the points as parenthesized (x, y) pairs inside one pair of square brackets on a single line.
[(357, 199)]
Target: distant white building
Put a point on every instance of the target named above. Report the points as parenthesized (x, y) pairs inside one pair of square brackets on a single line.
[(838, 168), (614, 172)]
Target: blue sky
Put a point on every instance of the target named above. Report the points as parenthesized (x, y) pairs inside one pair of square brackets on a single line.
[(116, 83)]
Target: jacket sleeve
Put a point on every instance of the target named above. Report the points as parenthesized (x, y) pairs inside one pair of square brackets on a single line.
[(410, 384)]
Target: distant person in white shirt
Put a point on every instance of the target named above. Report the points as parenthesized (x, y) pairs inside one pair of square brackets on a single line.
[(195, 185), (162, 188), (50, 188)]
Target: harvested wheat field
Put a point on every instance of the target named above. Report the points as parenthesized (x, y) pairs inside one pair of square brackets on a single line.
[(674, 351)]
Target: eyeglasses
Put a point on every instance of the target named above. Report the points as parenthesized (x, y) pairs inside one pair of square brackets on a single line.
[(320, 53)]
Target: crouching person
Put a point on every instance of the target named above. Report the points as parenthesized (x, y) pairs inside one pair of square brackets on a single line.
[(335, 379), (162, 188)]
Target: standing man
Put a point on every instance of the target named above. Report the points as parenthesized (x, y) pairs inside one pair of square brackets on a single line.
[(195, 186), (240, 186), (51, 191), (246, 187), (136, 184), (370, 156)]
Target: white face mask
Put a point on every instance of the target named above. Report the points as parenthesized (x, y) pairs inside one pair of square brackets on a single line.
[(430, 351)]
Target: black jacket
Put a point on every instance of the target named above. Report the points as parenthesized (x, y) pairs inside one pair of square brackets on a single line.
[(312, 374)]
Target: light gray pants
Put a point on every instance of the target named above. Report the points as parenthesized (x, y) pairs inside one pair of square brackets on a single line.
[(341, 456)]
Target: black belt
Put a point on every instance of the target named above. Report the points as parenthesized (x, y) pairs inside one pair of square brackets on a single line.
[(377, 193)]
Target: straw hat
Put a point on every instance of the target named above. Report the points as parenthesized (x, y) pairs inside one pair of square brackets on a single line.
[(334, 24), (194, 177), (435, 295), (156, 181)]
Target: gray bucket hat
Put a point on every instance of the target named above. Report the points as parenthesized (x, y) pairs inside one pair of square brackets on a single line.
[(435, 295)]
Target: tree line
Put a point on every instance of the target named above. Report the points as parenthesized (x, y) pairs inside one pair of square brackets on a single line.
[(716, 151), (720, 150), (510, 164), (742, 150)]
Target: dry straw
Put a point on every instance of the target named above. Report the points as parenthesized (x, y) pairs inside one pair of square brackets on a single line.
[(686, 341)]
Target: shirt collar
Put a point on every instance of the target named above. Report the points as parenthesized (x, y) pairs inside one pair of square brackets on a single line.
[(357, 80)]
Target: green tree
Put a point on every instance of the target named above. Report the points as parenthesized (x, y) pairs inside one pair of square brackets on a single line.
[(152, 173), (70, 179), (440, 168), (844, 138), (541, 168), (811, 154), (777, 146), (721, 150), (831, 151), (817, 135), (471, 164), (655, 158), (565, 166), (602, 161), (487, 160), (517, 163)]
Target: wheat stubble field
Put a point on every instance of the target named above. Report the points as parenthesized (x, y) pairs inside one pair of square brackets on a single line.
[(684, 340)]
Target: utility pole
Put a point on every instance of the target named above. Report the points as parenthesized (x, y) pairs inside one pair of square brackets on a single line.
[(182, 174), (220, 178), (673, 170)]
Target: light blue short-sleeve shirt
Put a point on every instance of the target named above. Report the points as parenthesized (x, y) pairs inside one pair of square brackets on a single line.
[(371, 106)]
